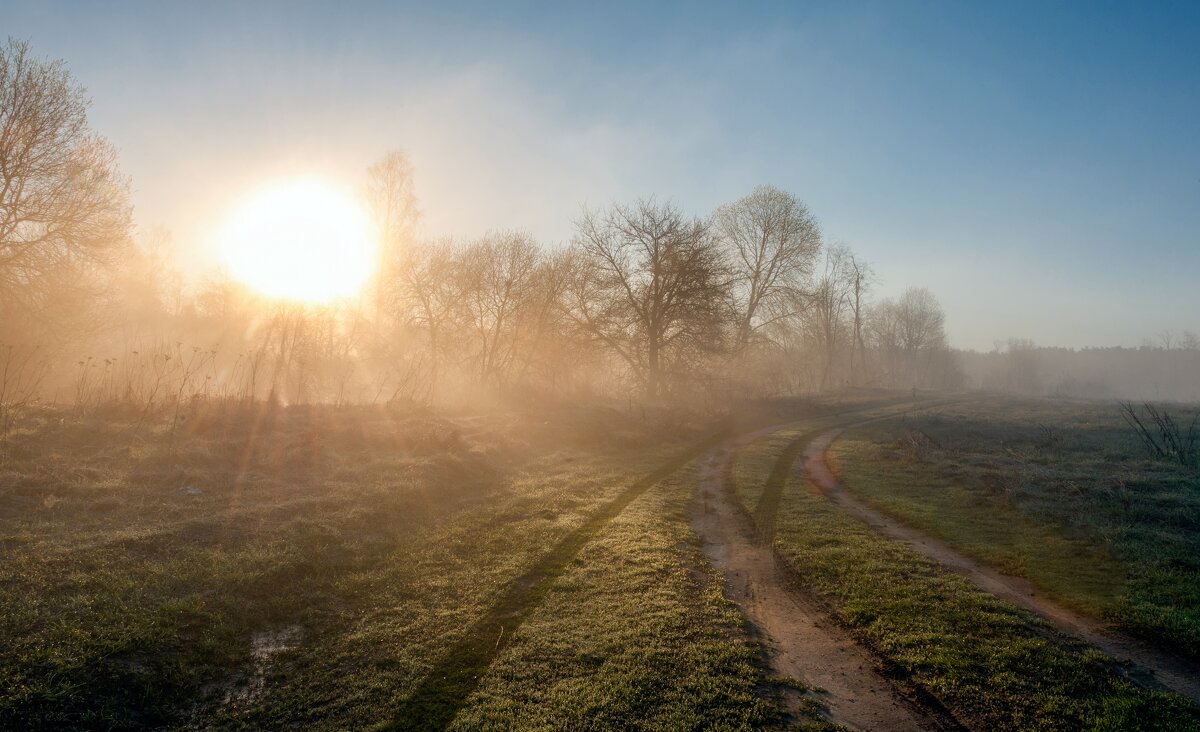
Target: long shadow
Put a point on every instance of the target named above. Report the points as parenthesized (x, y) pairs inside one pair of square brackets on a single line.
[(444, 691)]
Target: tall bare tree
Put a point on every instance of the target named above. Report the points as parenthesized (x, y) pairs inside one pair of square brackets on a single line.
[(428, 290), (828, 304), (860, 278), (392, 199), (545, 342), (773, 240), (909, 336), (652, 287), (922, 320), (499, 283), (64, 208)]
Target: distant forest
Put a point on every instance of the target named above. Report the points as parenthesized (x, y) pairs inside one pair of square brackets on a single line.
[(1168, 370)]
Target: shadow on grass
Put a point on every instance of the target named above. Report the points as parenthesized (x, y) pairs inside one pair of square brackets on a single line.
[(435, 703), (438, 699)]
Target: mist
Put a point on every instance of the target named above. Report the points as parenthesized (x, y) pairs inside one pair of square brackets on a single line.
[(648, 366), (649, 298)]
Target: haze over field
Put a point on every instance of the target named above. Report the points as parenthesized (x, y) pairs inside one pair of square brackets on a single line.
[(673, 366), (1035, 166)]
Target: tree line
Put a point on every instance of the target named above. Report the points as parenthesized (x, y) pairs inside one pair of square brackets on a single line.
[(645, 299), (1164, 369)]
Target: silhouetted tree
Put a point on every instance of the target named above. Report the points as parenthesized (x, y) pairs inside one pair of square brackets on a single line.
[(773, 241), (498, 276), (651, 286), (392, 200), (828, 305), (909, 337), (427, 289), (860, 278), (64, 209)]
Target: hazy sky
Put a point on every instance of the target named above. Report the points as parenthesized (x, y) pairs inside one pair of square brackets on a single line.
[(1037, 165)]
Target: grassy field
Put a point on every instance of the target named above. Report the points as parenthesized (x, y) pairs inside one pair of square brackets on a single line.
[(991, 665), (760, 469), (636, 630), (334, 568), (274, 567), (358, 568), (1062, 493)]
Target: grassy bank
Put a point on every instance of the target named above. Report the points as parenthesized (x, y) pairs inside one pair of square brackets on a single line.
[(992, 665), (1061, 493)]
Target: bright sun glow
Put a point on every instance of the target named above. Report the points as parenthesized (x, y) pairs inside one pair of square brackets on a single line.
[(302, 240)]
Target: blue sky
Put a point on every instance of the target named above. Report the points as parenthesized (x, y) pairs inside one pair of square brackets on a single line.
[(1037, 165)]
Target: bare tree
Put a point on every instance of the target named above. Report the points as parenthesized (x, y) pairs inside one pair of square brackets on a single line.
[(910, 338), (774, 241), (392, 199), (828, 305), (498, 276), (391, 195), (883, 335), (64, 206), (651, 287), (545, 339), (428, 288), (860, 277), (921, 319), (22, 369)]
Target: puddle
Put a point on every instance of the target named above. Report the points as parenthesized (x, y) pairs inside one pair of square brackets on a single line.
[(264, 646)]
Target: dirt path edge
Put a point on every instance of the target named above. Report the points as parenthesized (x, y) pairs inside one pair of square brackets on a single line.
[(1149, 666), (801, 637)]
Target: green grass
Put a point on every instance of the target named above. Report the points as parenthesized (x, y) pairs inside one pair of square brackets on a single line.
[(760, 456), (775, 454), (757, 459), (1059, 492), (635, 633), (436, 702), (368, 541), (359, 568), (990, 664)]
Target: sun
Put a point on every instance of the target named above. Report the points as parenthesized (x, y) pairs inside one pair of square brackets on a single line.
[(301, 240)]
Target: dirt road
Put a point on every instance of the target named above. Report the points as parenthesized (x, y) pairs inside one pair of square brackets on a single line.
[(802, 641), (1151, 666)]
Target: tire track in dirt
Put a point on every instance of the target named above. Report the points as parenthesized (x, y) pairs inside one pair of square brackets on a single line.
[(781, 471), (772, 494), (801, 640), (1151, 666), (445, 689)]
